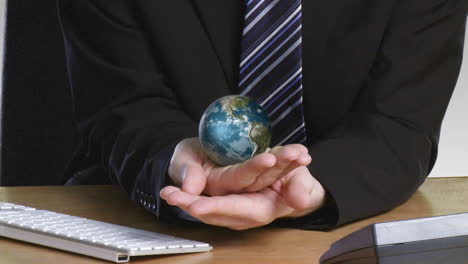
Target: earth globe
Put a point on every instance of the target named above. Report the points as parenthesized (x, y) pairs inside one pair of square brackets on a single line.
[(234, 129)]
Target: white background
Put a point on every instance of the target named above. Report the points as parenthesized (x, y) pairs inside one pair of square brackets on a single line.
[(453, 145)]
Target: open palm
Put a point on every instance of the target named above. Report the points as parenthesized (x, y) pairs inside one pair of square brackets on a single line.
[(295, 194), (191, 169)]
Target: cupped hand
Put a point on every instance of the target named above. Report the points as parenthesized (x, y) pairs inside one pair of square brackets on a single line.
[(293, 195), (195, 173)]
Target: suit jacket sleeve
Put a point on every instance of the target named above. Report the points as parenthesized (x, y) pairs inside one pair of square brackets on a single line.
[(128, 118), (383, 150)]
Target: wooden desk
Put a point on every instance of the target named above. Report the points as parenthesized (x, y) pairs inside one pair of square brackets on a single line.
[(265, 245)]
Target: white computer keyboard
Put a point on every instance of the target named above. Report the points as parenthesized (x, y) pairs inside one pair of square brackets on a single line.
[(88, 237)]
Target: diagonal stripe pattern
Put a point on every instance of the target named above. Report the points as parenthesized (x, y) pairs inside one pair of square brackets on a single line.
[(271, 65)]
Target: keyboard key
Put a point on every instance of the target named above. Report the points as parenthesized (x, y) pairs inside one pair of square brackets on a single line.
[(81, 231)]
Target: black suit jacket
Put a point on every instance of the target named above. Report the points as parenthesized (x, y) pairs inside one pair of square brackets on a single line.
[(378, 75)]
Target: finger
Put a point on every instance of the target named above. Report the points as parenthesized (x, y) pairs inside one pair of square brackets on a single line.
[(303, 192), (186, 202), (166, 191), (233, 179), (251, 209), (299, 147), (245, 173), (288, 153), (194, 179), (302, 148), (288, 158), (226, 221), (302, 160), (187, 152), (233, 211), (297, 195), (174, 196), (177, 197), (230, 222), (190, 149)]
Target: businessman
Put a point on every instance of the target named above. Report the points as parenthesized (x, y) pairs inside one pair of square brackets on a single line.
[(356, 91)]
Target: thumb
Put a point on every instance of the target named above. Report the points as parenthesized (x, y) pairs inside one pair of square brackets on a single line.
[(193, 179), (299, 191), (185, 168)]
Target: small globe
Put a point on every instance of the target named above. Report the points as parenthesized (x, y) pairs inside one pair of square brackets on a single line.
[(234, 129)]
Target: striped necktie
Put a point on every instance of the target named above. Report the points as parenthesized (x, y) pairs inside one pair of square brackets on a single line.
[(271, 65)]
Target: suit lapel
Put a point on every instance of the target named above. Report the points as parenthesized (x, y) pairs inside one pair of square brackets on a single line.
[(185, 53), (222, 21), (318, 17), (318, 20)]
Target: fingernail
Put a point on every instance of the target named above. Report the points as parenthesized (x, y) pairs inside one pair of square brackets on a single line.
[(164, 193), (271, 161), (161, 194), (305, 159)]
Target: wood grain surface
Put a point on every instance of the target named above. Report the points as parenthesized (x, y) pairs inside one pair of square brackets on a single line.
[(438, 196)]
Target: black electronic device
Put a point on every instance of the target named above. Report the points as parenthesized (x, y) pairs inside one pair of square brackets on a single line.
[(432, 240)]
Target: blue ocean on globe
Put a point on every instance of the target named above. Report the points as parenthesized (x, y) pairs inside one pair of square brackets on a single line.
[(234, 129)]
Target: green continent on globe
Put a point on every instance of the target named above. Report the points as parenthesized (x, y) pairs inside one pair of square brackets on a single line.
[(234, 129), (239, 102), (261, 136)]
